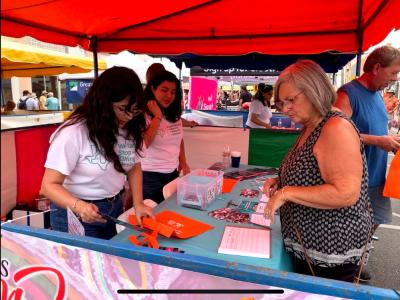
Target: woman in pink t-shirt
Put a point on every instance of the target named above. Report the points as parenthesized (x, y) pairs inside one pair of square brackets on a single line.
[(165, 155)]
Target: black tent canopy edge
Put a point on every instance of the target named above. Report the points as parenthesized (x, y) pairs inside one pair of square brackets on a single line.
[(330, 61)]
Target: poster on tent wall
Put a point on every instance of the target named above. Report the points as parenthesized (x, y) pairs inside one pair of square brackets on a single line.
[(35, 268), (203, 93), (76, 89)]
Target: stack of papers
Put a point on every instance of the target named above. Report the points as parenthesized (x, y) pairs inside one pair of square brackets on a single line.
[(245, 241)]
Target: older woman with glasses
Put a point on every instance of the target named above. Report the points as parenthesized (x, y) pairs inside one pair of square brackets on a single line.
[(93, 152), (321, 190)]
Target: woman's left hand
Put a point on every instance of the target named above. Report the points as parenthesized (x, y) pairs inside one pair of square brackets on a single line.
[(184, 168), (142, 210), (274, 203)]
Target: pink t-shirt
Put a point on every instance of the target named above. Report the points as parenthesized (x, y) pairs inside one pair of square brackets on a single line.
[(163, 153)]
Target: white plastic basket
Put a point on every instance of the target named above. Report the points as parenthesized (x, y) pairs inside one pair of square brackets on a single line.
[(199, 188)]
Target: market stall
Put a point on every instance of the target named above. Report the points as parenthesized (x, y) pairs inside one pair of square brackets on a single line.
[(344, 26), (117, 266)]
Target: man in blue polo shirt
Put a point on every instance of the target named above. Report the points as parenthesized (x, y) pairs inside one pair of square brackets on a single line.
[(361, 99)]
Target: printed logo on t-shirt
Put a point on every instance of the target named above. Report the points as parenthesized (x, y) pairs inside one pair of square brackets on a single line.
[(169, 129), (126, 153), (96, 158)]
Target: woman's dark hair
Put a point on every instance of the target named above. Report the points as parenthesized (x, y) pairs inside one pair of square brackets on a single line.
[(261, 90), (113, 85), (173, 112)]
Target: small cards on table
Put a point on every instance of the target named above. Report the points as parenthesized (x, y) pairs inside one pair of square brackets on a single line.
[(258, 217), (245, 241)]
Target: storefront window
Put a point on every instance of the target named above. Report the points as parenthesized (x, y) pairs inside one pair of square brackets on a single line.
[(41, 83)]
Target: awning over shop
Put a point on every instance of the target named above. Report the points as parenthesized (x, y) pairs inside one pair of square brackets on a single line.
[(25, 61), (205, 27)]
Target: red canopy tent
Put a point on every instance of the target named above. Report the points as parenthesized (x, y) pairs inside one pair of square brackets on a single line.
[(204, 27)]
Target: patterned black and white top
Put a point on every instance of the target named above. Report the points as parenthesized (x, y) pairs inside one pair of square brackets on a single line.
[(331, 237)]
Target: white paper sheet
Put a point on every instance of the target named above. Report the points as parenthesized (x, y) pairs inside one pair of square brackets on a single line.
[(246, 241), (74, 225)]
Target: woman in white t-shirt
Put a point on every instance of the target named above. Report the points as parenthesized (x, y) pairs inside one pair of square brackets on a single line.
[(93, 152), (165, 155), (259, 112)]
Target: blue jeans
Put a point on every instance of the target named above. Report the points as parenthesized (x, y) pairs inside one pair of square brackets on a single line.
[(381, 206), (59, 219)]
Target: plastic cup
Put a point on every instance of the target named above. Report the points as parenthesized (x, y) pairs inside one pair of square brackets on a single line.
[(235, 157)]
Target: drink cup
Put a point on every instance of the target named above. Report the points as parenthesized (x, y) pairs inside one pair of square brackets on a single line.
[(235, 156)]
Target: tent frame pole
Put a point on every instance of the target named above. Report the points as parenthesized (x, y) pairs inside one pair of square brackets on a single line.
[(93, 45), (360, 37)]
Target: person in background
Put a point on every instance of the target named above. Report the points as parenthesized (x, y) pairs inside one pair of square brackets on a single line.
[(260, 113), (322, 187), (165, 156), (9, 107), (51, 102), (361, 100), (42, 101), (244, 96), (93, 152), (220, 98), (234, 98), (391, 103), (153, 69), (392, 106), (32, 103), (23, 100)]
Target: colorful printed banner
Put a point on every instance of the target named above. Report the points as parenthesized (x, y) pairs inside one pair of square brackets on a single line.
[(34, 268)]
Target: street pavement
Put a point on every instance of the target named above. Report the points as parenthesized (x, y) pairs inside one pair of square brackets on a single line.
[(384, 261)]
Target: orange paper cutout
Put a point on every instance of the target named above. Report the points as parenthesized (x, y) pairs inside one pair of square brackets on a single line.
[(184, 227), (151, 224), (169, 223)]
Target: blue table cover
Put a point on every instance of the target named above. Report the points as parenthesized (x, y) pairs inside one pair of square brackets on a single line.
[(206, 244)]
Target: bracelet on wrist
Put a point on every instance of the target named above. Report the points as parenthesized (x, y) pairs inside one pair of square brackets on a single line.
[(74, 206)]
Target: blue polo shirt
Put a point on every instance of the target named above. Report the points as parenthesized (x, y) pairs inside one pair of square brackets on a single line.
[(370, 117)]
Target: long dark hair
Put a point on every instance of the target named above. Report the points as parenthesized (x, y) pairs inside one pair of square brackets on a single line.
[(113, 85), (262, 89), (173, 112)]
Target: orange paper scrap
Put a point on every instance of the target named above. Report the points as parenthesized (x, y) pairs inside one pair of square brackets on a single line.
[(228, 185)]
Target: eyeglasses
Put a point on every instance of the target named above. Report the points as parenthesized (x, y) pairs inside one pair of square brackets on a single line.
[(123, 109), (288, 101)]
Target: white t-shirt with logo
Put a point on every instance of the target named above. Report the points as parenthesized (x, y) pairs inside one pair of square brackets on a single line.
[(88, 174), (162, 155), (263, 113)]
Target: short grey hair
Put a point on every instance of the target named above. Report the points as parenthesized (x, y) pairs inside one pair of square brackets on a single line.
[(311, 79), (384, 56), (50, 94)]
